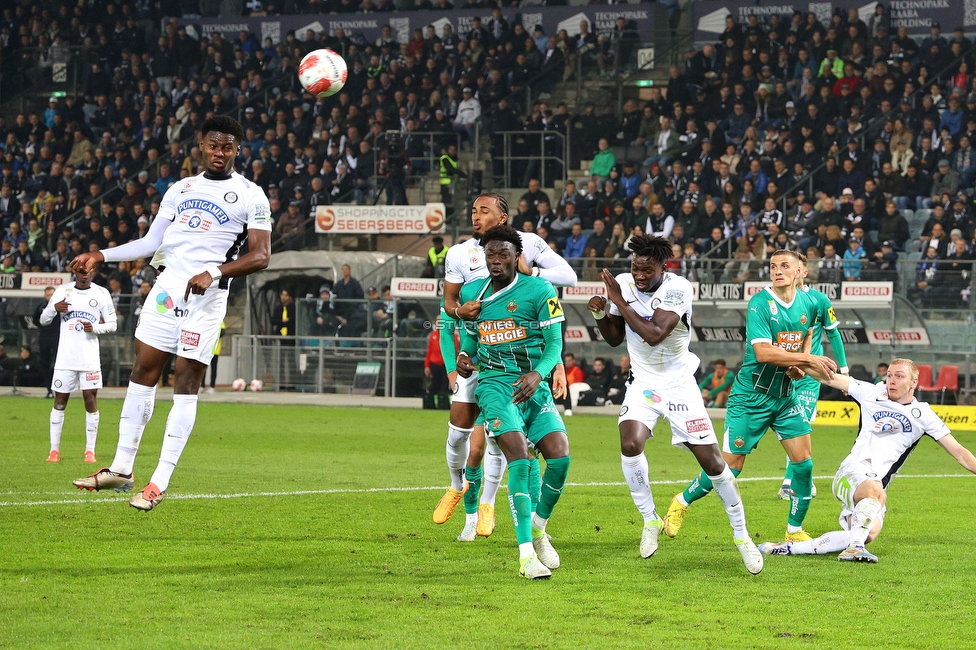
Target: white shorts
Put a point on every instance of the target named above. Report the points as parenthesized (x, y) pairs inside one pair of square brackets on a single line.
[(464, 388), (851, 473), (67, 381), (680, 404), (187, 329)]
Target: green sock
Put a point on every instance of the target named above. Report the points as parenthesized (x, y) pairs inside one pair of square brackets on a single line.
[(535, 482), (789, 471), (701, 486), (552, 485), (519, 501), (802, 486), (697, 489), (474, 475)]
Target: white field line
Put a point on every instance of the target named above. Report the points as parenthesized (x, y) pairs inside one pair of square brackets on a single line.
[(435, 488)]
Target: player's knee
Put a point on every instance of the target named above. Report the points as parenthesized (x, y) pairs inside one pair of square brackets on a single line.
[(631, 446), (60, 407)]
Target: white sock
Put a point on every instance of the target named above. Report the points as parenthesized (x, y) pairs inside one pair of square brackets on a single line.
[(495, 465), (137, 409), (635, 474), (179, 426), (457, 454), (538, 523), (727, 489), (57, 423), (471, 518), (526, 549), (681, 499), (865, 513), (91, 430), (826, 544)]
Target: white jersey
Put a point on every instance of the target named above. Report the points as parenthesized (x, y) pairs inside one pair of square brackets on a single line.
[(466, 261), (670, 361), (78, 349), (210, 222), (889, 430)]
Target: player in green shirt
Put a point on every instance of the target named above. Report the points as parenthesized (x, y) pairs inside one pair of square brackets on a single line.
[(515, 342), (808, 388), (778, 322)]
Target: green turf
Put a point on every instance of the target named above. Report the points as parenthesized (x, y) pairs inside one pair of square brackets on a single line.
[(369, 569)]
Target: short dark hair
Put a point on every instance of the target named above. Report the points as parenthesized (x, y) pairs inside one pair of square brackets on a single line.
[(720, 362), (502, 232), (223, 124), (657, 248)]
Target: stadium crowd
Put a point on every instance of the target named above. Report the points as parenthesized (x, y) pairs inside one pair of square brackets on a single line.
[(846, 141)]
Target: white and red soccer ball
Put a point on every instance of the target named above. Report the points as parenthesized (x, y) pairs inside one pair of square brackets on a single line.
[(257, 385), (322, 73), (238, 384)]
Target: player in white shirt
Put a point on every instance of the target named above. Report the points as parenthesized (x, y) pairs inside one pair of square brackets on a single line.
[(892, 423), (85, 310), (651, 309), (465, 262), (195, 239)]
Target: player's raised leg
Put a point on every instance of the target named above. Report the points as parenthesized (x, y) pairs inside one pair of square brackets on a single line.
[(189, 374)]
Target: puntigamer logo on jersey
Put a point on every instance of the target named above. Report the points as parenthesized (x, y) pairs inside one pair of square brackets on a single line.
[(195, 206), (500, 331), (790, 341)]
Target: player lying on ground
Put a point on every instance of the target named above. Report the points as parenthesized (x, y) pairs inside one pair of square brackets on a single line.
[(652, 310), (195, 239), (808, 389), (892, 423), (779, 321), (516, 342), (465, 262), (86, 310)]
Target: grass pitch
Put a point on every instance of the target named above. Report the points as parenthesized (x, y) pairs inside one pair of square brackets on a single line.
[(310, 527)]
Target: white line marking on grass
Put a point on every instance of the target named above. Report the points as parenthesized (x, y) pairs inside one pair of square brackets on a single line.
[(298, 493)]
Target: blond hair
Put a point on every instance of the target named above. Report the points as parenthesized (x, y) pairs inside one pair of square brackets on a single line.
[(906, 362)]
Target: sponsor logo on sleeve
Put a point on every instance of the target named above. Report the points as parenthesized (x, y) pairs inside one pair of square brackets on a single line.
[(555, 309), (674, 298)]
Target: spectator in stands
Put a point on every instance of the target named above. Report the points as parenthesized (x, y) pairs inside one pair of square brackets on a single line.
[(854, 258), (884, 262), (831, 265), (575, 245), (603, 162), (574, 375), (893, 226), (716, 385)]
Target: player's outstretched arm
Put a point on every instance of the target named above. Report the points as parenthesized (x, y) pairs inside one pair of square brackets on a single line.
[(962, 455), (256, 259), (134, 250), (553, 267), (774, 355), (838, 381)]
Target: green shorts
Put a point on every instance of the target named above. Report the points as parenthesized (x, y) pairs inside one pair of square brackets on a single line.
[(750, 414), (807, 392), (535, 419)]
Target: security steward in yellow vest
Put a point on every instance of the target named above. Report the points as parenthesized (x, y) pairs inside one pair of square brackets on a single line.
[(449, 168), (436, 257)]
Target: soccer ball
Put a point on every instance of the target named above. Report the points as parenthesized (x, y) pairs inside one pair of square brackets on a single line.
[(238, 384), (322, 73), (256, 385)]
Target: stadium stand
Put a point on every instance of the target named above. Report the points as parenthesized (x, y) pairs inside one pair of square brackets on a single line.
[(838, 137)]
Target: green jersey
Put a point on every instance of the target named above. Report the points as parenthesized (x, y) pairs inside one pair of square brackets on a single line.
[(770, 320), (826, 318), (509, 337)]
